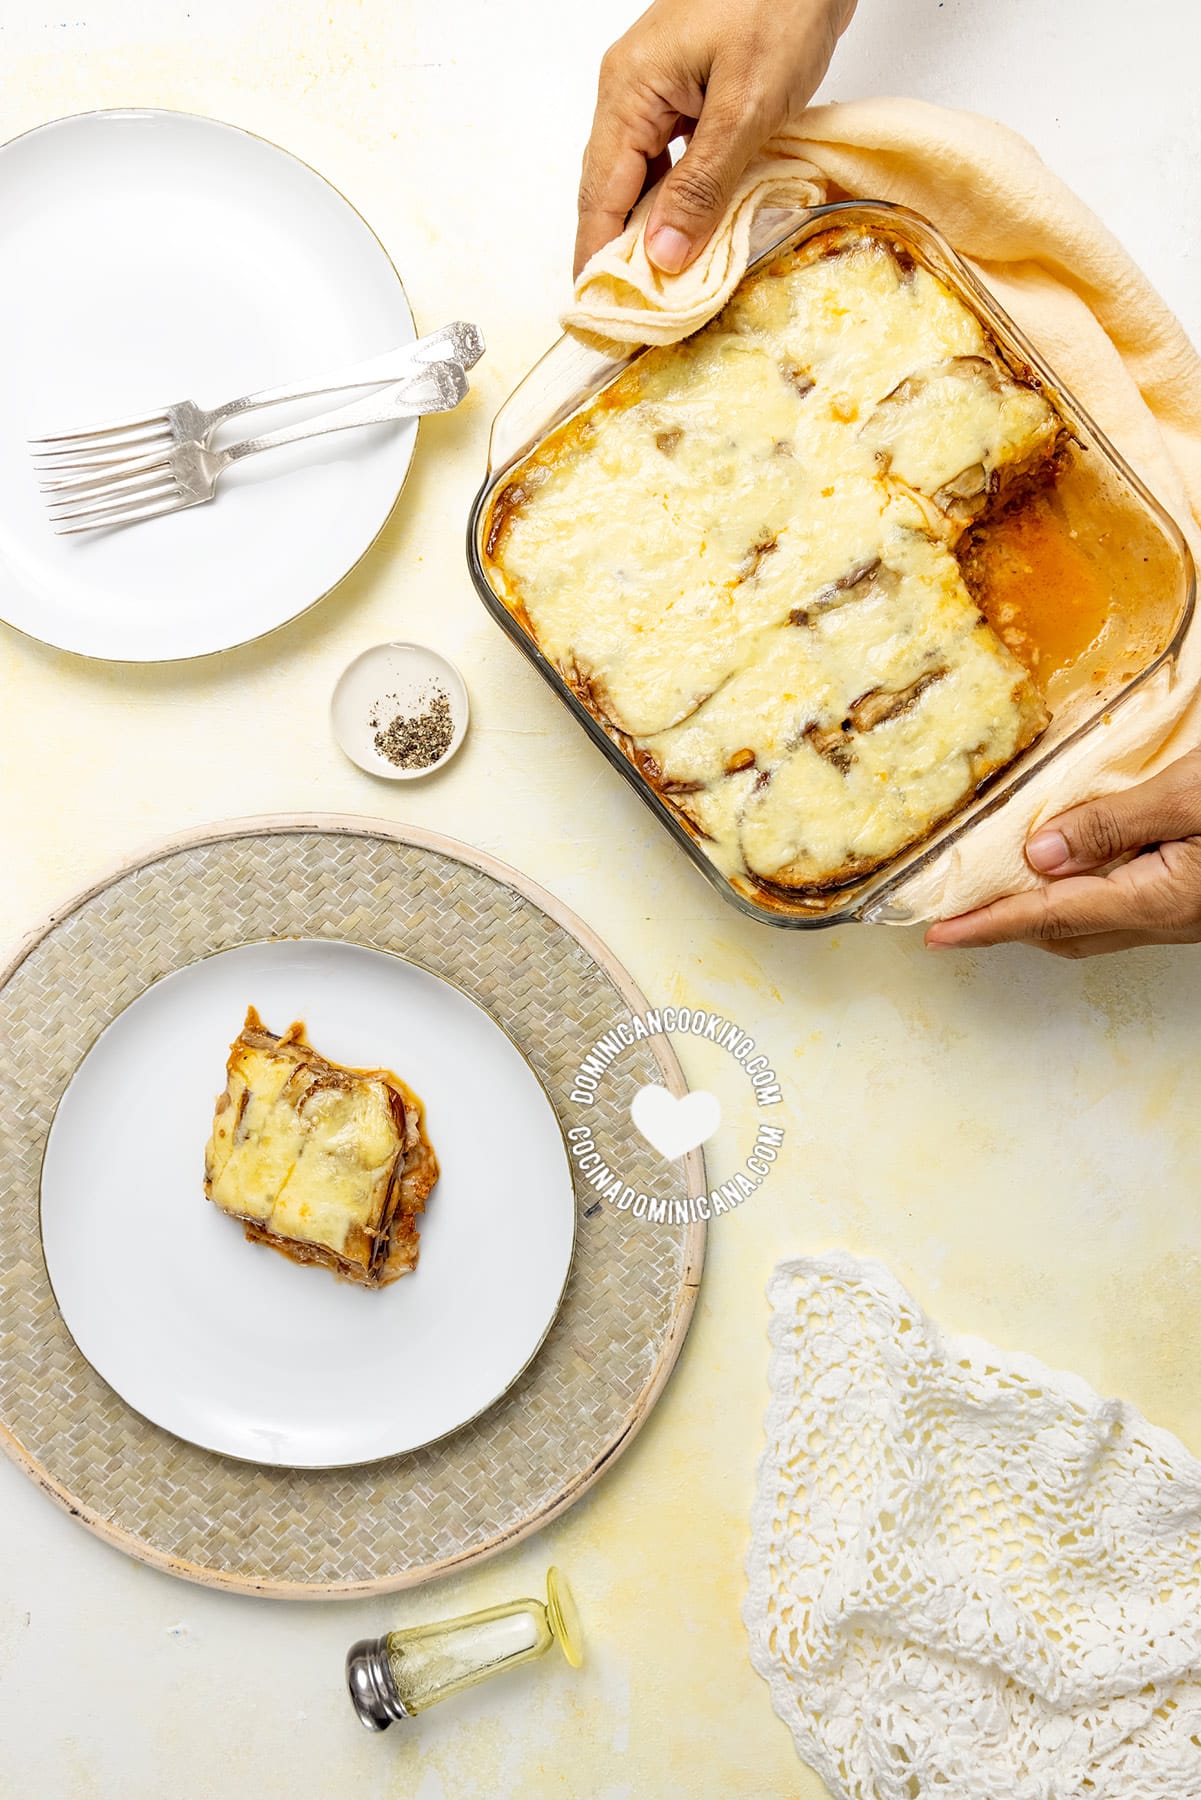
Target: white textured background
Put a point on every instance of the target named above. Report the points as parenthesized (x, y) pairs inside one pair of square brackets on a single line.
[(1017, 1136)]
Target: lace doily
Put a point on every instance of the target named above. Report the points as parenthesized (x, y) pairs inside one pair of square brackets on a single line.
[(970, 1577)]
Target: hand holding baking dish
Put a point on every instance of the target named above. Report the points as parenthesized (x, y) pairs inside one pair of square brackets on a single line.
[(1107, 336)]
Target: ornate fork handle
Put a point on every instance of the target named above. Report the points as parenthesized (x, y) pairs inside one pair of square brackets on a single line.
[(459, 342), (447, 385)]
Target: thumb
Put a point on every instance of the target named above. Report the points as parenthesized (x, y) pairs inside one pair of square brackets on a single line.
[(1162, 810), (693, 198)]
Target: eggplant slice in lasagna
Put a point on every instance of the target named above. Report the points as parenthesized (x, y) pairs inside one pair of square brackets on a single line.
[(326, 1164), (742, 558)]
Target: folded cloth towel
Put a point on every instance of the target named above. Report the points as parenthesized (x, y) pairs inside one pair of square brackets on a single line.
[(1075, 292), (969, 1575)]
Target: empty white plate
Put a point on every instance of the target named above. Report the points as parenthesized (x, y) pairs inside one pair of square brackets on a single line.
[(228, 1344), (152, 257)]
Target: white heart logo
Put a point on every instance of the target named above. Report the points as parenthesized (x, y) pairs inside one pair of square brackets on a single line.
[(671, 1126)]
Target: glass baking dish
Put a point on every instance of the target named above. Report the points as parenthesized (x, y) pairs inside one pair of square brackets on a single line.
[(1107, 528)]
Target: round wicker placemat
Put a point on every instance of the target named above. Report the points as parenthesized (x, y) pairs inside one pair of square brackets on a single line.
[(555, 989)]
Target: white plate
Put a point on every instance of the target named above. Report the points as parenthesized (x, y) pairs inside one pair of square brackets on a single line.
[(237, 1349), (390, 679), (151, 257)]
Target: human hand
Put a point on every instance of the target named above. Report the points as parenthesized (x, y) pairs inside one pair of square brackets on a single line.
[(1155, 898), (727, 74)]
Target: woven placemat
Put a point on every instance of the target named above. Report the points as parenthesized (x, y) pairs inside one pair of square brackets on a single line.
[(555, 989)]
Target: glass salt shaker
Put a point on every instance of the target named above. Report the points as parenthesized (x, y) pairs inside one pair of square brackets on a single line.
[(396, 1676)]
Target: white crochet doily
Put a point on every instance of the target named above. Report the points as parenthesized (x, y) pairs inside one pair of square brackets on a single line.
[(970, 1577)]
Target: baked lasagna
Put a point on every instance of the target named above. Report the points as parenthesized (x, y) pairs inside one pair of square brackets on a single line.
[(742, 558), (326, 1164)]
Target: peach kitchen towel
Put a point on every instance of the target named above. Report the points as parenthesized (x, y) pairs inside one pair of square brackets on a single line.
[(1076, 293)]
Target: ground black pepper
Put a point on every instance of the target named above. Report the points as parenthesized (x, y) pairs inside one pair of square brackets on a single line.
[(415, 740)]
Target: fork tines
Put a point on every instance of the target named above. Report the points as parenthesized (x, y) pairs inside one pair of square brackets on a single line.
[(102, 445), (117, 502), (87, 494)]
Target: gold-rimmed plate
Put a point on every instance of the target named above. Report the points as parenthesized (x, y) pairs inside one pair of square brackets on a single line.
[(241, 1351), (164, 257)]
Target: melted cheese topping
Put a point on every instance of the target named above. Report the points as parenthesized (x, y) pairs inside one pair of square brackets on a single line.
[(749, 534), (308, 1161)]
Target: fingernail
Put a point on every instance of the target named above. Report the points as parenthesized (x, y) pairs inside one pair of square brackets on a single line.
[(668, 249), (1047, 850)]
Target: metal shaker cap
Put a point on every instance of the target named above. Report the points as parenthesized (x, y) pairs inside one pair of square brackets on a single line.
[(372, 1690)]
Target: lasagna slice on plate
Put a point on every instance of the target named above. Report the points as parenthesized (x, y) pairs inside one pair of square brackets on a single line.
[(325, 1164)]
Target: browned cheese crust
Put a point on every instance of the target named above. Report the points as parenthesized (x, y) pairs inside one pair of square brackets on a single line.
[(950, 510)]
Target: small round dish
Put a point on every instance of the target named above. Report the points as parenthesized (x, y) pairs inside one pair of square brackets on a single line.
[(384, 687)]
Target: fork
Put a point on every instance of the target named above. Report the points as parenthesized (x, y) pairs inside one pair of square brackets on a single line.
[(182, 475), (184, 422)]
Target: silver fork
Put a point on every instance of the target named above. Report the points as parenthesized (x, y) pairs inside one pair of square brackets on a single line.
[(183, 475), (184, 422)]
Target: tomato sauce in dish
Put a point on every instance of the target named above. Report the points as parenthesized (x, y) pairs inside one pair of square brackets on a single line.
[(1041, 590)]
